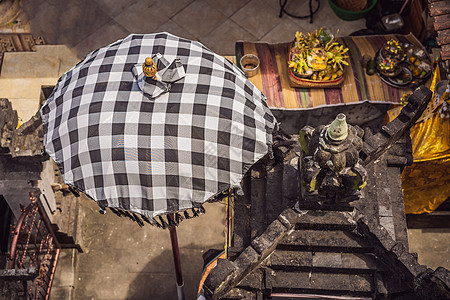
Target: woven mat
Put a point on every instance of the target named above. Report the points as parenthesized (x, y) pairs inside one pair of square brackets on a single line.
[(272, 77)]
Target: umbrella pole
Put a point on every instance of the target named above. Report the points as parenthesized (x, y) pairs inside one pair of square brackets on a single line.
[(176, 260)]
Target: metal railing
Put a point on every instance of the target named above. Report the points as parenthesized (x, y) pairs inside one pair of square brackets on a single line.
[(35, 245)]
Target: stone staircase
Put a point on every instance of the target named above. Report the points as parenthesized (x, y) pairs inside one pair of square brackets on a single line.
[(269, 187), (318, 253), (325, 255)]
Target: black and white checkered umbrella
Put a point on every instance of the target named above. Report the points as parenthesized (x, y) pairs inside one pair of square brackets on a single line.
[(155, 146)]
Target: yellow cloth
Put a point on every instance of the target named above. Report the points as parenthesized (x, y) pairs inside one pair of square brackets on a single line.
[(426, 183), (431, 139)]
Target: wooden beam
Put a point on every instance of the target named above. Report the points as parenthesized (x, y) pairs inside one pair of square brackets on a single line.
[(443, 37), (440, 8), (442, 22)]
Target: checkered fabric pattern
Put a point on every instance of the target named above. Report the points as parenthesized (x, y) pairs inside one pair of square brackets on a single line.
[(155, 155)]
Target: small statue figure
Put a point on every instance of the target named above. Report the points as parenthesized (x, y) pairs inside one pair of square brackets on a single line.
[(330, 164)]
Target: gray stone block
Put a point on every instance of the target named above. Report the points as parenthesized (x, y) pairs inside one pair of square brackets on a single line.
[(385, 211), (288, 217), (377, 232), (290, 180), (217, 275), (258, 202), (248, 257), (290, 258), (274, 192), (327, 260), (388, 224), (270, 236), (330, 239), (362, 283), (325, 220), (360, 261), (253, 280), (388, 130), (242, 209), (281, 279), (411, 264), (338, 282), (18, 274), (443, 275), (12, 290)]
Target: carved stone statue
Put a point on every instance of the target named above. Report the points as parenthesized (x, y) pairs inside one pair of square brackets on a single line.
[(331, 163)]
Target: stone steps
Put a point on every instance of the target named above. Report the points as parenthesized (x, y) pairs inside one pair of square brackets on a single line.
[(324, 220), (327, 262), (268, 190), (323, 244), (350, 284), (314, 206), (321, 240)]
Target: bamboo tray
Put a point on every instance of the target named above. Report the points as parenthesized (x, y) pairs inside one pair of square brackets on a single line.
[(296, 81)]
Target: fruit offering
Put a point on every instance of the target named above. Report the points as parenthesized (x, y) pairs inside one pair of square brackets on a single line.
[(404, 78), (393, 49), (402, 64), (418, 62), (317, 59), (389, 67), (317, 56)]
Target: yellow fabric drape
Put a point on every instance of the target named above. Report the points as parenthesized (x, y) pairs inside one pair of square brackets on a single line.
[(431, 139), (426, 183)]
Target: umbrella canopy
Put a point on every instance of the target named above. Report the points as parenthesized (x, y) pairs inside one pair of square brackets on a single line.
[(155, 145)]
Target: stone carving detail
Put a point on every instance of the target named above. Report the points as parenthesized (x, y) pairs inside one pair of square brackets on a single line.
[(331, 163), (27, 140), (12, 42), (9, 11)]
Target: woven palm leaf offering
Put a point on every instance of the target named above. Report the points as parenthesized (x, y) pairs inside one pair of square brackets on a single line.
[(316, 59), (402, 64), (389, 67), (393, 49)]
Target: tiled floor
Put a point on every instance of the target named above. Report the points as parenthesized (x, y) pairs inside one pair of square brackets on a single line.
[(86, 25)]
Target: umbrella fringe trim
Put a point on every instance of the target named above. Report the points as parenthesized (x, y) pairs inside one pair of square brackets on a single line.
[(163, 221)]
